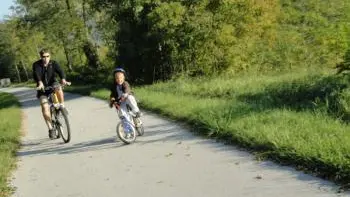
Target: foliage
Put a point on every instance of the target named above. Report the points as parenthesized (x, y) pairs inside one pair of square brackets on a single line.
[(157, 40)]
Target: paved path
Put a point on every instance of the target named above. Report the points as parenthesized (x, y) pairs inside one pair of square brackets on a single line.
[(168, 161)]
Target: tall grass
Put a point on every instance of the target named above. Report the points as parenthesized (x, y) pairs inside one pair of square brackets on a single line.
[(300, 119), (10, 122)]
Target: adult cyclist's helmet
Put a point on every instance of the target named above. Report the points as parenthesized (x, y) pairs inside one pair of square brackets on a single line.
[(119, 69)]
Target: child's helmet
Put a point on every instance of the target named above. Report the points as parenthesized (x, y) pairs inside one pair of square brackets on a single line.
[(119, 69)]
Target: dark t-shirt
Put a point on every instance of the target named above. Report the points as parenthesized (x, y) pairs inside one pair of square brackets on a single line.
[(47, 74), (125, 88)]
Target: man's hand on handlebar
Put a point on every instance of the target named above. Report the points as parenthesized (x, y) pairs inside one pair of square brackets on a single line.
[(40, 86), (64, 82)]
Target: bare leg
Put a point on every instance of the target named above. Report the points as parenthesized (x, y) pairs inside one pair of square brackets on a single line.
[(46, 111), (60, 95)]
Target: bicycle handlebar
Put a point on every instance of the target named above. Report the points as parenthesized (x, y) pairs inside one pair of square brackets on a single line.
[(53, 87)]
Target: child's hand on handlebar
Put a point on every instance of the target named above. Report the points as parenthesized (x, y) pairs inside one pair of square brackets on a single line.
[(111, 102), (122, 99), (117, 105)]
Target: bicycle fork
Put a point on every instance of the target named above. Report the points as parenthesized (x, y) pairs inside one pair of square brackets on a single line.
[(126, 125)]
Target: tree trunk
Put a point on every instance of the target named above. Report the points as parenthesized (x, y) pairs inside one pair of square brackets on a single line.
[(69, 8), (18, 74), (91, 55), (84, 13), (67, 53), (25, 70), (68, 57), (89, 47)]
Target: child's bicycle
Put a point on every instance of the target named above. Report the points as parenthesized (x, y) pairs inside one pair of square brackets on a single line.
[(126, 130), (59, 116)]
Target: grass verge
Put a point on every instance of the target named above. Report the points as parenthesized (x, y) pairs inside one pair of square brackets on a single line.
[(10, 124)]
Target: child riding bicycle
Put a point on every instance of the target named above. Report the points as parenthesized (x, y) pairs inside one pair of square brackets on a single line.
[(122, 95)]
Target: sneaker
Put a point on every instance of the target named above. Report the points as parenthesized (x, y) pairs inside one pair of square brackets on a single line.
[(138, 114), (52, 134), (137, 122)]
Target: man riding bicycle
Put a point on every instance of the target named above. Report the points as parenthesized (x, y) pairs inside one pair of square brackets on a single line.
[(44, 74)]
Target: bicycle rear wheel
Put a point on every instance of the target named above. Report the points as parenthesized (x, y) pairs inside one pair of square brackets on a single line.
[(126, 137), (63, 126), (54, 122), (139, 126)]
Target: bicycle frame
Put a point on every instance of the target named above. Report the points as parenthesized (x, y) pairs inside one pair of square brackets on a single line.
[(125, 120), (57, 112), (53, 100)]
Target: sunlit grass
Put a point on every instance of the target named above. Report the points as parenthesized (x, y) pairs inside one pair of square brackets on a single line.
[(10, 122)]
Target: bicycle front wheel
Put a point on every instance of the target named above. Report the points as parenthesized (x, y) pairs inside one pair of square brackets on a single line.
[(63, 126), (127, 137)]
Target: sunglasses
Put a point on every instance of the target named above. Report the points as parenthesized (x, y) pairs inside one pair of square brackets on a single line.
[(45, 56)]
